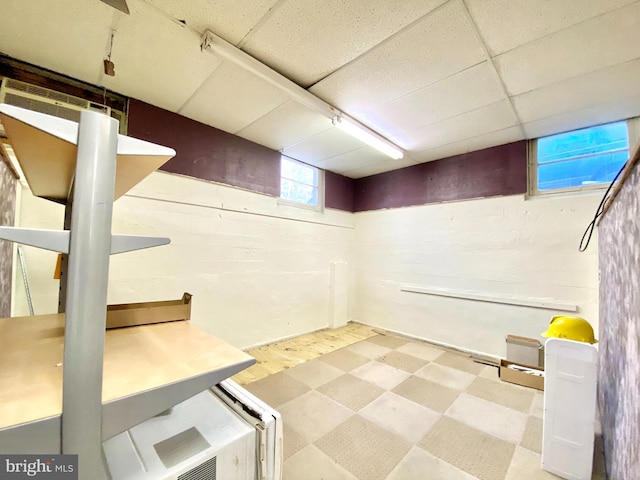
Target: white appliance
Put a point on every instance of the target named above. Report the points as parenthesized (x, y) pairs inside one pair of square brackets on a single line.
[(224, 433)]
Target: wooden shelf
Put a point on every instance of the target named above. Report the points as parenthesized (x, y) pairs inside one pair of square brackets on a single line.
[(137, 360), (50, 175)]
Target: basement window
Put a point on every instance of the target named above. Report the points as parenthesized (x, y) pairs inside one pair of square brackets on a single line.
[(584, 159), (300, 184)]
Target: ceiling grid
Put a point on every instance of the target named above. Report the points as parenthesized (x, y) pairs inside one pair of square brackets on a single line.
[(436, 77), (492, 66)]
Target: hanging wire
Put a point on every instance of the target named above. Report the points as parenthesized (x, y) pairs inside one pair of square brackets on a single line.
[(586, 236), (110, 45)]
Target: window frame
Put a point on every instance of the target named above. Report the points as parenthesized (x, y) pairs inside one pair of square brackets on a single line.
[(532, 163), (320, 187)]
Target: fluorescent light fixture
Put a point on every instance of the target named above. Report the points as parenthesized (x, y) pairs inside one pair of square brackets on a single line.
[(367, 136), (229, 52)]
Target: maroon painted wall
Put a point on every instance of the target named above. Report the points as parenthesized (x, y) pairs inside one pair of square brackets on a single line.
[(338, 191), (206, 152), (491, 172)]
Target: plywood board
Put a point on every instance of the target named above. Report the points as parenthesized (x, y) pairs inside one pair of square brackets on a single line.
[(136, 359)]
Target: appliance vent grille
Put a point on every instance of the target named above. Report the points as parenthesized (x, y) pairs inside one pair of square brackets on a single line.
[(45, 92), (44, 100), (204, 471), (42, 107)]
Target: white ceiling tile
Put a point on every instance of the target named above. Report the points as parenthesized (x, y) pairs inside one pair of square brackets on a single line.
[(379, 167), (608, 112), (228, 19), (420, 80), (232, 98), (289, 124), (323, 145), (506, 24), (68, 38), (581, 92), (362, 157), (501, 137), (440, 45), (157, 60), (490, 118), (592, 45), (322, 35), (460, 93)]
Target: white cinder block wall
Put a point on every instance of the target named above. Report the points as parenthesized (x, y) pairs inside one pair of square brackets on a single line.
[(259, 271), (501, 247)]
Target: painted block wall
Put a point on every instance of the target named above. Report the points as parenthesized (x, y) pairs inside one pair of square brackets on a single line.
[(259, 271), (502, 246)]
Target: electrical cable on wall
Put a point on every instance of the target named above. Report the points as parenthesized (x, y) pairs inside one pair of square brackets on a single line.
[(586, 236)]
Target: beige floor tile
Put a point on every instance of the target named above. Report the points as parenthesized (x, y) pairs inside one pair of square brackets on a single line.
[(459, 361), (468, 449), (351, 391), (426, 393), (363, 448), (526, 466), (405, 362), (388, 341), (277, 389), (532, 437), (506, 394), (490, 373), (403, 417), (421, 465), (344, 359), (313, 414), (447, 376), (489, 417), (379, 374), (368, 349), (314, 374), (311, 463), (292, 441), (537, 404), (421, 350)]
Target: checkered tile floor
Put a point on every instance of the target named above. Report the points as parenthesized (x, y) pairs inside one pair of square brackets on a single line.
[(390, 408)]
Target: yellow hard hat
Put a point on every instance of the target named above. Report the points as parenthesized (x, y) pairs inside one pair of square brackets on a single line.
[(571, 328)]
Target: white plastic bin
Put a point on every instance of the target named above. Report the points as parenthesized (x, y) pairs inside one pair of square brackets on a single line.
[(569, 408)]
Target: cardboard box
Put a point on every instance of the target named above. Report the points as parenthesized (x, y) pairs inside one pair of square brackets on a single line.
[(520, 377), (525, 351), (146, 313)]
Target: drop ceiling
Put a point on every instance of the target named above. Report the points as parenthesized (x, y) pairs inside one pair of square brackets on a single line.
[(436, 77)]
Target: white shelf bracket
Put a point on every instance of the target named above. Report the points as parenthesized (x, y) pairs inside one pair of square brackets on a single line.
[(54, 240), (130, 243)]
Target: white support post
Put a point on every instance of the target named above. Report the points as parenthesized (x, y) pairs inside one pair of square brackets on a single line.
[(86, 296)]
